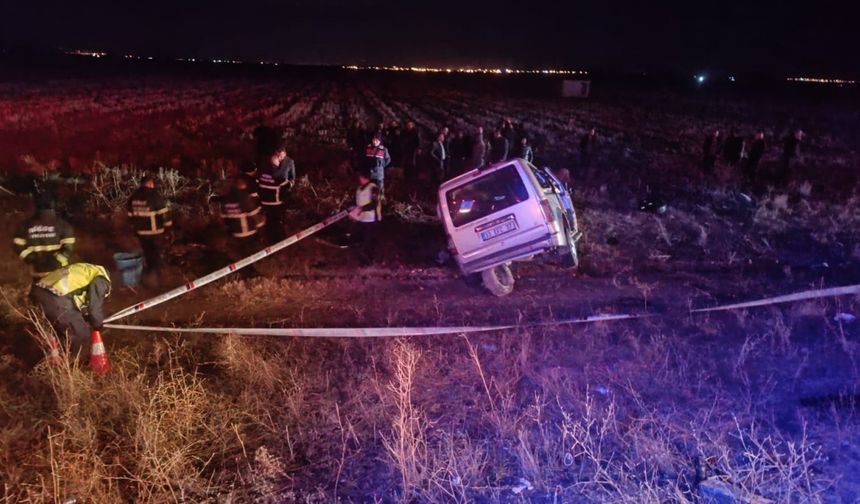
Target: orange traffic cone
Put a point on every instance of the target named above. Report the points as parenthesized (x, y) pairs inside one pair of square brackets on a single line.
[(54, 356), (98, 357)]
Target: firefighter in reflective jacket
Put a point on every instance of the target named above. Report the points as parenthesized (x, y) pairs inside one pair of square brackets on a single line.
[(45, 242), (273, 181), (67, 294), (366, 217), (243, 215), (377, 159), (150, 217)]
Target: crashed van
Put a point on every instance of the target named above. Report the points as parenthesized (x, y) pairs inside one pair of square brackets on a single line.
[(506, 212)]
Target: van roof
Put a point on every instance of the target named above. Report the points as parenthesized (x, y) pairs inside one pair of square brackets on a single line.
[(472, 174)]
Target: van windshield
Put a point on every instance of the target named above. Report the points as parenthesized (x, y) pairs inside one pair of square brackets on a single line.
[(487, 195)]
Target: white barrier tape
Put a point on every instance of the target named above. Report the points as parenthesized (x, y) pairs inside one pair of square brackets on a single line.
[(788, 298), (386, 332), (236, 266), (363, 332)]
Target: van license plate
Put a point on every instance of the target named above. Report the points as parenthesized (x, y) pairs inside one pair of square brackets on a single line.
[(505, 227)]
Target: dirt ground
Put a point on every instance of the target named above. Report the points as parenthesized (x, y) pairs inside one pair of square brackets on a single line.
[(758, 404)]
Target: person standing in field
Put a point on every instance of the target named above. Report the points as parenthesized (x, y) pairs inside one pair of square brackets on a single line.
[(710, 148), (410, 140), (526, 151), (151, 218), (479, 149), (499, 147), (45, 241), (733, 149), (754, 155), (366, 217), (273, 182), (243, 214), (440, 157), (790, 155), (377, 159), (587, 148)]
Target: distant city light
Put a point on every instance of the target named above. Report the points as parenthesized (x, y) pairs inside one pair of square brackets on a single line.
[(497, 71), (82, 52), (731, 78), (699, 79), (821, 80)]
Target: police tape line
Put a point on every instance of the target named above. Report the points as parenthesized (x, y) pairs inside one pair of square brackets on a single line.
[(364, 332), (386, 332), (215, 275)]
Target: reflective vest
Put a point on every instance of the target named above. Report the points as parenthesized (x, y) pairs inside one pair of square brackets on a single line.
[(364, 196), (73, 280), (149, 212)]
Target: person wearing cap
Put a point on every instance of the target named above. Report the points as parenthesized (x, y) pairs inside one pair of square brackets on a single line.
[(273, 182), (150, 217), (377, 159), (243, 215), (72, 298), (45, 242), (366, 216)]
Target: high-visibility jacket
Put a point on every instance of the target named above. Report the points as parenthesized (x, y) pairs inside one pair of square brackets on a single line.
[(149, 212), (242, 213), (74, 282), (45, 242), (367, 199)]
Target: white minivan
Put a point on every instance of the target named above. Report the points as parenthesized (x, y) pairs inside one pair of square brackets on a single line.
[(509, 211)]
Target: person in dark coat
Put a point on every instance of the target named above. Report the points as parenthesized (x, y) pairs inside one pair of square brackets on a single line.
[(733, 149), (710, 148), (243, 214), (754, 155), (273, 184), (266, 139), (479, 149), (499, 148), (69, 292), (790, 155), (440, 155), (458, 153), (587, 148), (526, 151), (394, 143), (45, 241), (509, 132), (377, 158), (410, 140), (151, 218)]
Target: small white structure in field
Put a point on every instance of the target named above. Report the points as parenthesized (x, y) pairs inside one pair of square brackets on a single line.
[(575, 88)]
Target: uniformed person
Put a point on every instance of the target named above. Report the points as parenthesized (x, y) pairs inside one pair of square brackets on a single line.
[(72, 298), (243, 215), (366, 216), (272, 183), (45, 241), (377, 159), (150, 216)]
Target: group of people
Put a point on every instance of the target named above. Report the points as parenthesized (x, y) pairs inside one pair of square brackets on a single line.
[(745, 153), (446, 155)]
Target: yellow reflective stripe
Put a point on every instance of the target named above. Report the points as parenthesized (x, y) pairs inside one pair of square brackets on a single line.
[(19, 241), (39, 248), (62, 259), (67, 241), (162, 211), (242, 215), (142, 213), (150, 232)]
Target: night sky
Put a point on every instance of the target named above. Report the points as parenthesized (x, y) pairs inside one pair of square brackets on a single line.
[(811, 38)]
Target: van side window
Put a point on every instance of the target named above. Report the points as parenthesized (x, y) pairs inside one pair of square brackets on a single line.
[(487, 195)]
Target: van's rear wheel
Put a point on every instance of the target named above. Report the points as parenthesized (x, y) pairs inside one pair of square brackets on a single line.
[(499, 280), (569, 255)]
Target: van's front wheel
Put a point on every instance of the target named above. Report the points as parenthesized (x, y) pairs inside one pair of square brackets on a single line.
[(569, 255), (499, 280)]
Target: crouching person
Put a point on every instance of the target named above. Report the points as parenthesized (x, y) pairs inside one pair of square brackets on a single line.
[(366, 216), (243, 214), (72, 299)]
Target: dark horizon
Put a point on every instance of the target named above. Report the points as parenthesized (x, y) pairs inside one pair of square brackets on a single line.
[(677, 37)]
